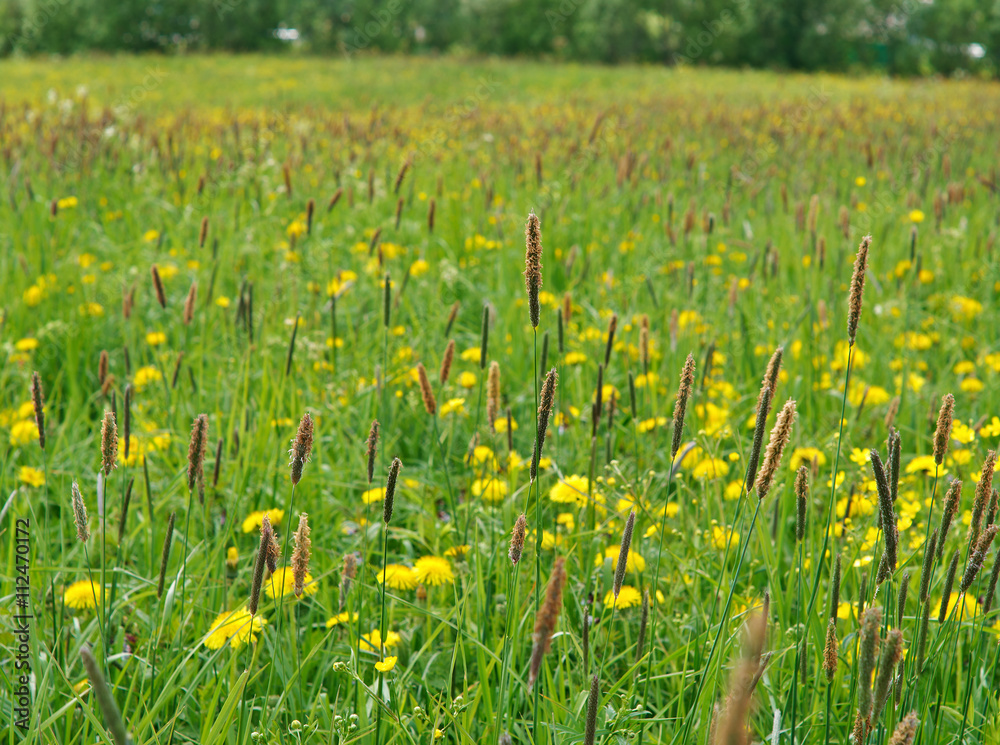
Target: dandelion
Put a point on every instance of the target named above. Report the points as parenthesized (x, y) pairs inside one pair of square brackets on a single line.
[(398, 577), (372, 641), (31, 476), (340, 618), (236, 627), (82, 595), (628, 597), (255, 520), (284, 582), (434, 571)]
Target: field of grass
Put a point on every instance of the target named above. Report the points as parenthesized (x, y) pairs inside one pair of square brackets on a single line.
[(321, 229)]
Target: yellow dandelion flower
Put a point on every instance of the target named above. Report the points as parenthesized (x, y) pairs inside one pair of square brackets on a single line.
[(628, 597), (26, 345), (146, 375), (452, 406), (281, 584), (570, 490), (341, 618), (467, 379), (83, 594), (30, 476), (372, 641), (155, 338), (491, 490), (398, 577), (433, 570), (235, 627), (256, 519), (371, 496), (23, 432), (634, 562), (806, 456), (457, 552)]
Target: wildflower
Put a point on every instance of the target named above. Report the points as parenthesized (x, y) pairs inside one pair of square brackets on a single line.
[(372, 641), (916, 216), (282, 584), (371, 496), (341, 618), (83, 594), (155, 338), (23, 432), (386, 665), (146, 375), (453, 406), (491, 490), (255, 519), (30, 476), (398, 577), (570, 490), (805, 456), (628, 597), (433, 570), (235, 627), (26, 345)]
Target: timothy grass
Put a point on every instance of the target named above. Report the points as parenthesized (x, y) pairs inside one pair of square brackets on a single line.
[(720, 210)]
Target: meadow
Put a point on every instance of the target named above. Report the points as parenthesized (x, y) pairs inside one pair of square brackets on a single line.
[(391, 400)]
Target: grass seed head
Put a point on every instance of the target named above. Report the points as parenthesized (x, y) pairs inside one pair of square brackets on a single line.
[(161, 295), (857, 289), (533, 266), (517, 539), (390, 490), (372, 449), (80, 514), (446, 360), (301, 554), (430, 405), (942, 433), (109, 444), (546, 618), (680, 404), (38, 404), (301, 447), (780, 435)]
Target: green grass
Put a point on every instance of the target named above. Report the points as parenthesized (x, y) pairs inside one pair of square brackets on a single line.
[(682, 196)]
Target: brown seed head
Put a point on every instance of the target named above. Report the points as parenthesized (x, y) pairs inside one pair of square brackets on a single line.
[(857, 289), (161, 295), (493, 394), (38, 404), (951, 502), (80, 515), (680, 404), (109, 444), (623, 553), (892, 653), (801, 501), (301, 554), (196, 451), (449, 356), (612, 327), (977, 558), (780, 435), (517, 539), (546, 402), (390, 490), (906, 730), (263, 551), (870, 622), (533, 266), (189, 302), (830, 651), (203, 233), (102, 367), (546, 618), (943, 431), (165, 554), (984, 493), (301, 447), (372, 449), (425, 389)]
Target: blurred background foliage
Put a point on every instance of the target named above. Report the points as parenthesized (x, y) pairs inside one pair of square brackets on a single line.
[(906, 37)]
